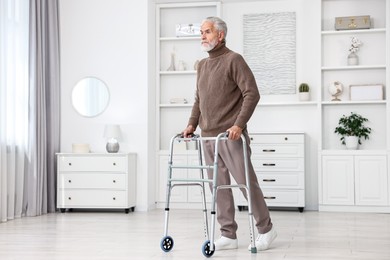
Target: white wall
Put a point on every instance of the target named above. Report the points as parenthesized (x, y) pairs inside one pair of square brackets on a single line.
[(108, 39)]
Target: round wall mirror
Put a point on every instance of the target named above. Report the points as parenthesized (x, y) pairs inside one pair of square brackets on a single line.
[(90, 97)]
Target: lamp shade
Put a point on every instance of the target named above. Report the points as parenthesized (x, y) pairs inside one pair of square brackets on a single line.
[(112, 131)]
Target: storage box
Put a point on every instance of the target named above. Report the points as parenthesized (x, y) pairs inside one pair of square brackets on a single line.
[(366, 92), (80, 148), (352, 22)]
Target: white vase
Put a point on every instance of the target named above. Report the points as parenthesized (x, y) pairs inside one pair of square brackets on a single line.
[(304, 96), (353, 59), (351, 142)]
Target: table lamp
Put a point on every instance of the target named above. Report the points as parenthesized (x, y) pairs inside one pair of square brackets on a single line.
[(113, 135)]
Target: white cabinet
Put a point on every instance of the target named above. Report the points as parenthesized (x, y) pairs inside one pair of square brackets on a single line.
[(181, 196), (94, 180), (279, 163), (359, 180)]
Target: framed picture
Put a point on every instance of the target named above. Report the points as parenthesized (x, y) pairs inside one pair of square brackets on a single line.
[(188, 30), (366, 92)]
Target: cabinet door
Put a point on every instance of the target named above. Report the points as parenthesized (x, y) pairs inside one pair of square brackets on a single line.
[(178, 194), (338, 180), (194, 192), (371, 180)]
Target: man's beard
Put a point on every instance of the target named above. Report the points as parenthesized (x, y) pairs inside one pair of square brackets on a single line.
[(209, 46)]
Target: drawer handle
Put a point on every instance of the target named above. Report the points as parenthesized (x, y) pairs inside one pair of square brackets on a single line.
[(251, 138), (114, 181), (269, 180), (269, 150), (69, 198), (70, 164), (113, 198), (69, 181), (114, 164), (269, 198), (269, 164), (286, 138)]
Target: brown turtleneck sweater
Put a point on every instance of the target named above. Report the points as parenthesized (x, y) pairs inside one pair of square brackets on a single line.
[(226, 92)]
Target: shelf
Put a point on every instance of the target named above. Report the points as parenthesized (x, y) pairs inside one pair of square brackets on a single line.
[(349, 102), (179, 152), (355, 179), (175, 105), (362, 31), (306, 103), (353, 152), (359, 67), (192, 38), (289, 103), (178, 72)]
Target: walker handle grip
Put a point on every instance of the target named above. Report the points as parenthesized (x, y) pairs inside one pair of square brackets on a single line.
[(192, 135)]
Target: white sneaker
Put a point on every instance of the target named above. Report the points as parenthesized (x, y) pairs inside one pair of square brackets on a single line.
[(224, 243), (263, 241)]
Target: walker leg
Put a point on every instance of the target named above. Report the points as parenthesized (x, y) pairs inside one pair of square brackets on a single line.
[(248, 190), (203, 191), (167, 243), (251, 225)]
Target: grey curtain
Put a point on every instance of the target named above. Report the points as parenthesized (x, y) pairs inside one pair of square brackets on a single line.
[(44, 108)]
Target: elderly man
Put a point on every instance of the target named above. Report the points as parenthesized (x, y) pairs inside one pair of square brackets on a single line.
[(226, 96)]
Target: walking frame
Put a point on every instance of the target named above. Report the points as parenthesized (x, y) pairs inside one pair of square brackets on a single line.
[(208, 248)]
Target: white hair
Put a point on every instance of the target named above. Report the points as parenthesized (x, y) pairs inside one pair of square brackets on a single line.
[(218, 23)]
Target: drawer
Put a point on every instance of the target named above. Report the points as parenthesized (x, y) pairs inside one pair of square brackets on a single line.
[(91, 198), (282, 150), (286, 198), (285, 180), (92, 181), (277, 138), (92, 163), (261, 164)]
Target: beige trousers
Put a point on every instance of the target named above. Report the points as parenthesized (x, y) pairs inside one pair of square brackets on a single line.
[(231, 159)]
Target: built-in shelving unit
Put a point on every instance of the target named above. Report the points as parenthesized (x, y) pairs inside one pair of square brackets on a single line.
[(373, 68), (171, 117)]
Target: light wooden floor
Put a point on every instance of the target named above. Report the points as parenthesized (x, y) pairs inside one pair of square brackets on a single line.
[(137, 235)]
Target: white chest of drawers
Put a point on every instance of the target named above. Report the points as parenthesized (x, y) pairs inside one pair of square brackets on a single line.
[(279, 163), (96, 180)]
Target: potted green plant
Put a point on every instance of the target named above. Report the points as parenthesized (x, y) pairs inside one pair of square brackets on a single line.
[(352, 130), (304, 94)]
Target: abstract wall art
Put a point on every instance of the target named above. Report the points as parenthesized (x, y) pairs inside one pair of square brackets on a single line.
[(270, 51)]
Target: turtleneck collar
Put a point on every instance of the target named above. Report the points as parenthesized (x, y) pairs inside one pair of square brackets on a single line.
[(218, 50)]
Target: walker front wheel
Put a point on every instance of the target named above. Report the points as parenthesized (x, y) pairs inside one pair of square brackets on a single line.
[(166, 243), (206, 249)]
